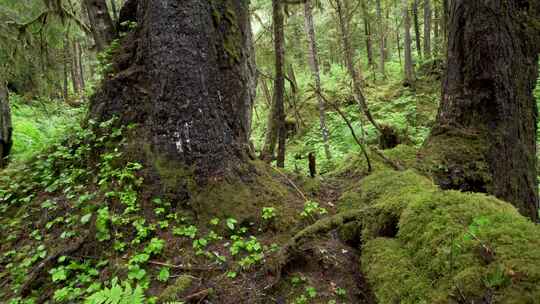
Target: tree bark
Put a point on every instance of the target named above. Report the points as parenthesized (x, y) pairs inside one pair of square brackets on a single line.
[(382, 39), (183, 76), (6, 128), (417, 29), (315, 73), (101, 23), (427, 29), (276, 132), (75, 69), (66, 68), (485, 133), (408, 69)]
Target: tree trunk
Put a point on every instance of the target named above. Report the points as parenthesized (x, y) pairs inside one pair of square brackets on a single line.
[(100, 23), (357, 82), (485, 133), (409, 71), (367, 33), (417, 29), (183, 76), (314, 65), (382, 39), (81, 65), (75, 69), (276, 132), (5, 125), (67, 68), (279, 85), (114, 11), (427, 29)]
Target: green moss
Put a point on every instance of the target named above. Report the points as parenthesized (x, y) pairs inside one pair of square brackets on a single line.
[(393, 276), (175, 290), (244, 197), (456, 159), (471, 245)]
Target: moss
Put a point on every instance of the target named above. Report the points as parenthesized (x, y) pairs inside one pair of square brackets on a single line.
[(175, 290), (392, 275), (456, 159), (244, 197), (471, 245)]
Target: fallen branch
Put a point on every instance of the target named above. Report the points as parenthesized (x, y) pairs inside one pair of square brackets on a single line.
[(183, 267), (292, 183), (199, 296)]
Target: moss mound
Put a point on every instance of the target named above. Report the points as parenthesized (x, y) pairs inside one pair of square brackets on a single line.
[(447, 246)]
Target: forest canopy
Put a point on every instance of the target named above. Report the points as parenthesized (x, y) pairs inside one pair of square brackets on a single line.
[(269, 151)]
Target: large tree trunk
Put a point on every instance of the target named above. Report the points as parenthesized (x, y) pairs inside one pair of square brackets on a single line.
[(314, 65), (484, 139), (5, 125), (183, 75), (101, 23), (427, 29), (408, 69)]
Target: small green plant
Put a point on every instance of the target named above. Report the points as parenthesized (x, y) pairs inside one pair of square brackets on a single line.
[(268, 213), (187, 231), (312, 210)]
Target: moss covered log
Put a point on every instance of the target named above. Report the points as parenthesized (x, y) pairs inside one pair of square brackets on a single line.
[(447, 246)]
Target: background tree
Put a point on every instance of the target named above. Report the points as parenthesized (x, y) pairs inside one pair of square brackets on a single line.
[(101, 23), (5, 125), (409, 69), (314, 65), (485, 134)]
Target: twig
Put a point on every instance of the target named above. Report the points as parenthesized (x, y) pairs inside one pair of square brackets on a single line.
[(182, 267), (199, 296), (292, 183)]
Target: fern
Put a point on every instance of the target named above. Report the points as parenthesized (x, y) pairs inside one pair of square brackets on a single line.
[(117, 295)]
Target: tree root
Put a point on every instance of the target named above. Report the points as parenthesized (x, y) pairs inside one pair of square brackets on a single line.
[(292, 247)]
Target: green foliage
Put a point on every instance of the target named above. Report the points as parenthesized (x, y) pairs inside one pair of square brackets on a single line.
[(117, 294), (38, 124)]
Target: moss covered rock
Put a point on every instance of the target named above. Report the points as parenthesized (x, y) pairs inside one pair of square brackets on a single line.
[(174, 291), (447, 246)]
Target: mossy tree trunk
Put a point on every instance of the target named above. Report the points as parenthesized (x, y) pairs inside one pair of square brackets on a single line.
[(185, 76), (484, 139), (5, 125), (408, 68)]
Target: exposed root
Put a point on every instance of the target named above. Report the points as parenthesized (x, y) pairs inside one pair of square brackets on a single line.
[(292, 247)]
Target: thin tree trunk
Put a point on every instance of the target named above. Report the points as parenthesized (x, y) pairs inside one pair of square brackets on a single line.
[(75, 77), (279, 86), (382, 39), (417, 29), (357, 86), (6, 128), (314, 65), (409, 72), (100, 23), (486, 128), (427, 29), (276, 121), (114, 11), (81, 65), (67, 68), (368, 33)]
